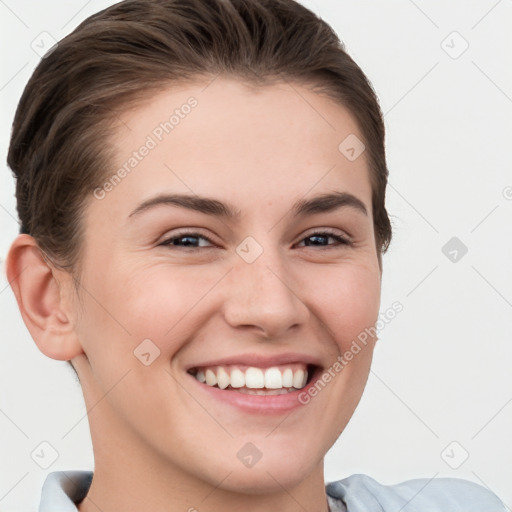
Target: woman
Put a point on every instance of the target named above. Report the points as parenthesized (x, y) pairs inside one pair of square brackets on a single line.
[(201, 187)]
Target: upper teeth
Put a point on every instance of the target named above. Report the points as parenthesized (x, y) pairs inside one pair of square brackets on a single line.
[(254, 378)]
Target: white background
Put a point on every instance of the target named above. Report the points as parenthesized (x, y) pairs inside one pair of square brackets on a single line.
[(442, 367)]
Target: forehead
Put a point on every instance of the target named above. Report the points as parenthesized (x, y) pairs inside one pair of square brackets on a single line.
[(224, 135)]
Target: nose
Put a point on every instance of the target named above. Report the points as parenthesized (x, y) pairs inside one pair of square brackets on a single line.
[(264, 296)]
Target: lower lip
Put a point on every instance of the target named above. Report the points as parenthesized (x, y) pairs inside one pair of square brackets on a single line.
[(260, 404)]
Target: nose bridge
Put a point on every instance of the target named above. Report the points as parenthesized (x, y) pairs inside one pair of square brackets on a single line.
[(262, 291)]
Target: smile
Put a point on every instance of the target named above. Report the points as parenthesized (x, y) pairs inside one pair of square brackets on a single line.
[(254, 380)]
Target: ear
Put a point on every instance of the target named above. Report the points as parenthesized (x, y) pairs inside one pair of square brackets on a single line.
[(44, 299)]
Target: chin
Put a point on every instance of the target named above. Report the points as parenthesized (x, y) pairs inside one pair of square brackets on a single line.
[(275, 470), (265, 480)]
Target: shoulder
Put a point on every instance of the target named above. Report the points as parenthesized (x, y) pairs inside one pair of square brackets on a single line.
[(361, 493), (63, 489)]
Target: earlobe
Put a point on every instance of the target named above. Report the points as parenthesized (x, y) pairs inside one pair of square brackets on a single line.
[(44, 307)]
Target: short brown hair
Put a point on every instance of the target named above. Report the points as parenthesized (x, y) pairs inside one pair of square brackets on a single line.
[(59, 150)]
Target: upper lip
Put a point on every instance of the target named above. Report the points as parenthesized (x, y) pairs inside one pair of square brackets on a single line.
[(258, 360)]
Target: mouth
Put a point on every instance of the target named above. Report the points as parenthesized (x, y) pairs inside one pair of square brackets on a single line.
[(253, 380), (256, 383)]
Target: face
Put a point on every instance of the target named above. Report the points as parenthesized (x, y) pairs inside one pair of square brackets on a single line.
[(214, 257)]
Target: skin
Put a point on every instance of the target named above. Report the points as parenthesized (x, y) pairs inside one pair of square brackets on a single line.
[(158, 443)]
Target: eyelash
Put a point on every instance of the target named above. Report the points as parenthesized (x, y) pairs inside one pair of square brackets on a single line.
[(329, 234)]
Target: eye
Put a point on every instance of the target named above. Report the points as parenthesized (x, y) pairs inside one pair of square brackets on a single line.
[(320, 236), (186, 240)]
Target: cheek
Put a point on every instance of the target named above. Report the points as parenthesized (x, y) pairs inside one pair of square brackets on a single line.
[(346, 299), (167, 301), (160, 302)]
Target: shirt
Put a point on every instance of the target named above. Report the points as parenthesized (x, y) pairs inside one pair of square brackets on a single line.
[(63, 490)]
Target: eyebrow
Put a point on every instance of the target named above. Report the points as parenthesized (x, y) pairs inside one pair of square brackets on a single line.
[(318, 204)]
